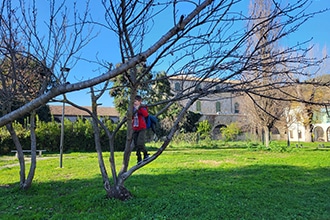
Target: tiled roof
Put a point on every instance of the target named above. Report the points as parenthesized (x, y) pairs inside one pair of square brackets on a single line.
[(196, 79), (72, 111)]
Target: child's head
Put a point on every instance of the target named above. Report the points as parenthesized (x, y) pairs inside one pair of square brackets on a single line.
[(137, 101), (138, 98)]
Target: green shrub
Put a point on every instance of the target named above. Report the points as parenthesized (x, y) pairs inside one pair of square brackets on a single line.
[(279, 147), (204, 129), (48, 135), (230, 132), (6, 142)]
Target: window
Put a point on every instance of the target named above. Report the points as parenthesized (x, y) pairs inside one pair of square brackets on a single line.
[(327, 119), (236, 108), (198, 106), (217, 107), (177, 87)]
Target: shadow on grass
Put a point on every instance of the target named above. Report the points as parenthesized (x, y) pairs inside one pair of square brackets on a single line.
[(202, 147), (253, 192)]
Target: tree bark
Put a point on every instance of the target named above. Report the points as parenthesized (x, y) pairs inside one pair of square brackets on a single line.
[(20, 154), (267, 135), (25, 182), (33, 165), (98, 147), (288, 137), (308, 133), (119, 192)]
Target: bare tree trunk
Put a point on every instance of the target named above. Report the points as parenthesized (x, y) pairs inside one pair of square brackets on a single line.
[(288, 137), (33, 165), (119, 191), (20, 154), (266, 136), (308, 133), (99, 149), (25, 183)]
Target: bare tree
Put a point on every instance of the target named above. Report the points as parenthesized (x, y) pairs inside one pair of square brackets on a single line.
[(263, 110), (23, 78), (29, 64), (209, 43)]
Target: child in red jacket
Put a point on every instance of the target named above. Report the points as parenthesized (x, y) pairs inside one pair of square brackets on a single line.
[(139, 128)]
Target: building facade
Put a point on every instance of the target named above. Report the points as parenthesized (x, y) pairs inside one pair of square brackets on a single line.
[(321, 130), (220, 109), (320, 127)]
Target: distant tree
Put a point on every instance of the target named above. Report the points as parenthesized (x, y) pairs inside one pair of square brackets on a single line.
[(44, 113), (263, 109), (191, 121), (154, 88), (120, 90)]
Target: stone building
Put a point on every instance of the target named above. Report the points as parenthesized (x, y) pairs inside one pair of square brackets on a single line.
[(219, 109), (320, 132)]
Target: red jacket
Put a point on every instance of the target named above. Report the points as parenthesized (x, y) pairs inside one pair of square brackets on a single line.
[(142, 112)]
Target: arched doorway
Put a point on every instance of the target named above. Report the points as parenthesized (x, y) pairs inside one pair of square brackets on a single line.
[(275, 133), (318, 134), (328, 134), (216, 132)]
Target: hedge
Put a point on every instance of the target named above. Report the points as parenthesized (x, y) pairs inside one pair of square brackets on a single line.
[(78, 136)]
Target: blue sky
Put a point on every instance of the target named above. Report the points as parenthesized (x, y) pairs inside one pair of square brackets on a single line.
[(317, 29)]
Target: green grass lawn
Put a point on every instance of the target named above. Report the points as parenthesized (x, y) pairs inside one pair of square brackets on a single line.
[(228, 183)]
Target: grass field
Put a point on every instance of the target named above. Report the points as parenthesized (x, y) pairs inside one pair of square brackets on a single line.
[(227, 183)]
